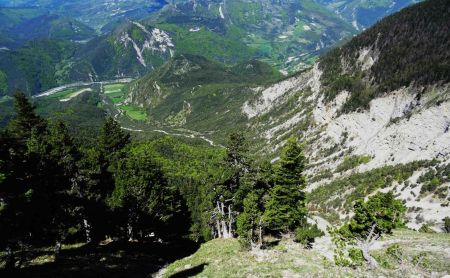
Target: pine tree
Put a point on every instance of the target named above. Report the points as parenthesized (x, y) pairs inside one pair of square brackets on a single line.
[(285, 207), (250, 221), (379, 215), (26, 119), (13, 202), (291, 165), (112, 139), (54, 203), (230, 193), (142, 194), (381, 210), (19, 176), (96, 180)]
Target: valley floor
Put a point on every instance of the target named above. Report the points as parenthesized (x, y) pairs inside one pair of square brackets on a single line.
[(226, 258)]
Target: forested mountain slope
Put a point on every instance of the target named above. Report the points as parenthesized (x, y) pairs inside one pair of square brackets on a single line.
[(41, 64), (192, 92), (287, 34), (381, 99), (20, 25), (341, 169)]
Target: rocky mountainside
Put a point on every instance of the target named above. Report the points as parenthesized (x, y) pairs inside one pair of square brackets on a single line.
[(132, 49), (373, 118)]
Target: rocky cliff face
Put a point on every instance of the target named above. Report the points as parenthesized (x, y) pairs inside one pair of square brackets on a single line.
[(403, 126)]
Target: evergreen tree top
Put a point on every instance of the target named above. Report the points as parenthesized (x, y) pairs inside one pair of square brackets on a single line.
[(291, 165)]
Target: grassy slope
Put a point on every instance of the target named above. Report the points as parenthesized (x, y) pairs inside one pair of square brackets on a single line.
[(225, 258)]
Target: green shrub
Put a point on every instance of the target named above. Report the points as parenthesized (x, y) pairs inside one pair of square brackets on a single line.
[(351, 162), (381, 209), (356, 256), (426, 229), (421, 260), (358, 186), (395, 251), (306, 235)]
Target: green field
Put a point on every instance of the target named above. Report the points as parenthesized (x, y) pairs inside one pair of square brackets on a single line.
[(114, 92), (134, 112), (63, 94), (114, 88), (116, 97)]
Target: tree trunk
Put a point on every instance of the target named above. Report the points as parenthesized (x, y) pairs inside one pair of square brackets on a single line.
[(129, 231), (370, 260), (225, 232), (230, 221), (260, 233), (10, 258), (219, 231), (87, 230), (57, 249), (365, 246)]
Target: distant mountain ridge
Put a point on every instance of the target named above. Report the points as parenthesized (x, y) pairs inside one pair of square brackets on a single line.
[(97, 14), (364, 13), (230, 32)]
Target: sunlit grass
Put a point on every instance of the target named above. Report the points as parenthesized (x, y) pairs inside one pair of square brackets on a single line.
[(134, 112)]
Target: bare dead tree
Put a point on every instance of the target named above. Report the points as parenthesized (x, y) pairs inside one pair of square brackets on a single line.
[(223, 218), (365, 244)]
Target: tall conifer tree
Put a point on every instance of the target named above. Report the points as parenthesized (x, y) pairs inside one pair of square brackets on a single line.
[(285, 207)]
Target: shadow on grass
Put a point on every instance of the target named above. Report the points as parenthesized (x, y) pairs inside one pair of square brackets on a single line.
[(189, 272), (117, 259), (271, 244)]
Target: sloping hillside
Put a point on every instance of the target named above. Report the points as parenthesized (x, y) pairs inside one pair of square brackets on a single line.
[(362, 109), (359, 110), (192, 92), (225, 258), (132, 49)]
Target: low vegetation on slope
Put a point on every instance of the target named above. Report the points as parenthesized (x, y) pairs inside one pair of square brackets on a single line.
[(226, 258)]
